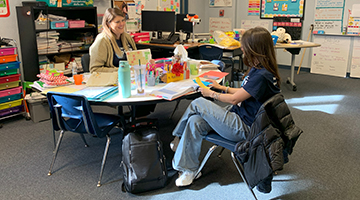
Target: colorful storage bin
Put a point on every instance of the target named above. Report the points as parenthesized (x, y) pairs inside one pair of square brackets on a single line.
[(76, 23), (11, 78), (141, 36), (7, 51), (8, 58), (9, 111), (11, 104), (10, 98), (12, 91), (59, 24), (9, 85), (11, 65)]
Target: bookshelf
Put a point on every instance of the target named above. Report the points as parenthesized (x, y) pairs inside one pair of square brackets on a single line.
[(26, 16)]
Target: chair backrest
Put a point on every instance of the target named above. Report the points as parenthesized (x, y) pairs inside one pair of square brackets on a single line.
[(71, 112), (85, 62), (210, 52)]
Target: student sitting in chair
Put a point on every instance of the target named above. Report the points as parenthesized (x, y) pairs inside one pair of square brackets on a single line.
[(261, 82), (110, 46)]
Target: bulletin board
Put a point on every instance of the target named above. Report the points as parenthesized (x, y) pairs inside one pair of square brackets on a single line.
[(170, 5), (282, 8), (332, 16)]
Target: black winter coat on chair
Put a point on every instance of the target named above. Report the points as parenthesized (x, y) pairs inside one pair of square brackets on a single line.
[(272, 136)]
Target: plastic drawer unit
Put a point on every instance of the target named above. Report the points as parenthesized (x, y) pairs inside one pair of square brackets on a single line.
[(4, 93), (10, 78), (8, 58), (10, 111), (11, 104), (8, 51), (9, 68)]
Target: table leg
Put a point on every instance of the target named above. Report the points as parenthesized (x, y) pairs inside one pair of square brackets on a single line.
[(290, 79)]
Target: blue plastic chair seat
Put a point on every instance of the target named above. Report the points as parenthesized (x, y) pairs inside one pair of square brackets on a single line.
[(220, 141)]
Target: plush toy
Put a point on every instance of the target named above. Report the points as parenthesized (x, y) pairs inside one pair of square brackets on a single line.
[(283, 36)]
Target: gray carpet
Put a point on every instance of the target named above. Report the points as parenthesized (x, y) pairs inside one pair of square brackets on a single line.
[(324, 164)]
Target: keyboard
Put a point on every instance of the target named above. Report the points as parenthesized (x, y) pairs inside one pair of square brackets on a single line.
[(162, 41)]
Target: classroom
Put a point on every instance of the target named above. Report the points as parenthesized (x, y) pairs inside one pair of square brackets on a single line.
[(323, 103)]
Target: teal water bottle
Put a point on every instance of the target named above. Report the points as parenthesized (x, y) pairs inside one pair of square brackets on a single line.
[(124, 78)]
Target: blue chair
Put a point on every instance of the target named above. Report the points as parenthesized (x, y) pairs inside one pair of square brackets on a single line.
[(217, 140), (71, 112), (210, 52)]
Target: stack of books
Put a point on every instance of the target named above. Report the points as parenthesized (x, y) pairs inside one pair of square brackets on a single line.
[(47, 42), (70, 45)]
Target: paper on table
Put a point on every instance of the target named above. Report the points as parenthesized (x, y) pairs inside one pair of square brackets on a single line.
[(99, 79), (174, 90), (214, 75), (198, 81)]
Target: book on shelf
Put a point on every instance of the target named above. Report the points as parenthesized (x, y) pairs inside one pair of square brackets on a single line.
[(175, 90)]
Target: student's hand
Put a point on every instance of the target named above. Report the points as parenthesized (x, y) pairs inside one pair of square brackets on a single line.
[(214, 84), (206, 92)]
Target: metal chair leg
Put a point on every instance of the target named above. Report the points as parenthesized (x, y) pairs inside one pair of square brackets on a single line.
[(240, 170), (176, 106), (56, 151), (208, 154), (83, 138), (219, 154), (104, 159), (54, 138)]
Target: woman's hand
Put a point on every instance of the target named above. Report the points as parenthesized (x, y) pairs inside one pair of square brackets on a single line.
[(206, 92)]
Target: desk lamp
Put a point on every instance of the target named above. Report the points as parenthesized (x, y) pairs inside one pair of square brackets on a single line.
[(194, 20)]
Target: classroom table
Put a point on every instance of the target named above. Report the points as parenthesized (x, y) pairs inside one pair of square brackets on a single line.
[(294, 48)]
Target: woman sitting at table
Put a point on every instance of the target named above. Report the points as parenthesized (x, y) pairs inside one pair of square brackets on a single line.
[(110, 47)]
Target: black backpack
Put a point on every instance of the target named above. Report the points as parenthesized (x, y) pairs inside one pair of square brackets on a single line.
[(143, 163)]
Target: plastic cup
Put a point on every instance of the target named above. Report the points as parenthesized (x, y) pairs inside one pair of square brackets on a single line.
[(193, 69), (140, 73), (78, 78), (150, 80)]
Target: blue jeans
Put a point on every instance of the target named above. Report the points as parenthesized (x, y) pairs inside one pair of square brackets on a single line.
[(199, 118)]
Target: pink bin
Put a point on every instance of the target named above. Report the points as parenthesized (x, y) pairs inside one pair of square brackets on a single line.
[(76, 23)]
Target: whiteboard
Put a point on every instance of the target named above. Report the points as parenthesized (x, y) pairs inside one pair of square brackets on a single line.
[(331, 58), (248, 24), (355, 61), (219, 23)]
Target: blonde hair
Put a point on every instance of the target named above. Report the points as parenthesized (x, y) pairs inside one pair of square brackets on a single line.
[(109, 15)]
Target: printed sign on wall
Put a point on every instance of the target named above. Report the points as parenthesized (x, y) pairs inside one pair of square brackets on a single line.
[(4, 8)]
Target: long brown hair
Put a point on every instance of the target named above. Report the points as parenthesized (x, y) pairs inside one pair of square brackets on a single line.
[(109, 15), (258, 48)]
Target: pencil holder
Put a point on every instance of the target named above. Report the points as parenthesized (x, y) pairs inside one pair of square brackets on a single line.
[(171, 77)]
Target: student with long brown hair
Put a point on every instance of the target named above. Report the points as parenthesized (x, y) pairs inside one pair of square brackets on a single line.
[(232, 122)]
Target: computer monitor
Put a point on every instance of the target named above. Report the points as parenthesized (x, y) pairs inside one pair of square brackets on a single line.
[(158, 21), (184, 26)]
